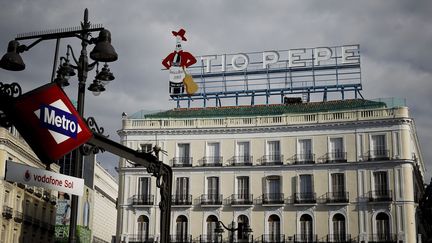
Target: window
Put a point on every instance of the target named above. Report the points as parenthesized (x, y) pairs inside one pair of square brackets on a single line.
[(306, 186), (378, 145), (243, 153), (6, 198), (243, 187), (382, 227), (336, 150), (339, 232), (146, 147), (274, 228), (306, 230), (211, 226), (183, 153), (143, 228), (213, 188), (273, 189), (338, 186), (304, 150), (144, 189), (182, 189), (273, 151), (213, 153), (181, 228), (380, 184), (242, 223)]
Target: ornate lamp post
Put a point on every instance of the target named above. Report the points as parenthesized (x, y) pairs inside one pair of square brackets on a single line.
[(102, 52), (219, 230)]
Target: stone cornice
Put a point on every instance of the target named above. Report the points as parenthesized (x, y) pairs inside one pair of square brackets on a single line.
[(22, 150)]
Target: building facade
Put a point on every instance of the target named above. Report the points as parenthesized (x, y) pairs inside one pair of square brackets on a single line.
[(28, 213), (335, 171)]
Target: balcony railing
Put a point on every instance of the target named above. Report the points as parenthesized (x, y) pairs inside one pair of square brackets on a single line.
[(388, 238), (211, 161), (211, 199), (7, 212), (241, 199), (304, 198), (276, 159), (336, 157), (303, 238), (181, 238), (18, 216), (241, 160), (213, 238), (141, 238), (272, 238), (381, 154), (303, 159), (182, 162), (142, 200), (339, 238), (380, 196), (337, 197), (180, 199), (273, 198)]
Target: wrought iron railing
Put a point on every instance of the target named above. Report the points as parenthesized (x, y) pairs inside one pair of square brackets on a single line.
[(18, 216), (143, 200), (272, 238), (303, 238), (337, 197), (380, 196), (241, 161), (381, 238), (7, 212), (304, 198), (211, 161), (276, 159), (339, 238), (273, 198), (182, 161), (241, 199), (141, 238), (180, 199), (211, 199), (381, 154), (336, 157), (302, 159), (210, 238), (181, 238)]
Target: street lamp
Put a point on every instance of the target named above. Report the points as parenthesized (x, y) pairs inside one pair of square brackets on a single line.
[(219, 230), (102, 52)]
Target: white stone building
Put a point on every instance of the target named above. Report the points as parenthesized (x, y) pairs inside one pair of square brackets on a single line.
[(336, 171)]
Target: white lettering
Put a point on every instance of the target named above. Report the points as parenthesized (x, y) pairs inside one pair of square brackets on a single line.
[(72, 127), (270, 57), (322, 54), (242, 65), (207, 62), (58, 121), (351, 54), (49, 116), (294, 58)]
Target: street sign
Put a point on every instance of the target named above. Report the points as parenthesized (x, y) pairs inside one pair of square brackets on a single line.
[(32, 176), (49, 122)]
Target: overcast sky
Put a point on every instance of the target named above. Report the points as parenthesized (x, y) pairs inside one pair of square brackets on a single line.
[(395, 39)]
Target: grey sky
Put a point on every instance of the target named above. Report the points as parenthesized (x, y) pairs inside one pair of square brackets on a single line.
[(395, 38)]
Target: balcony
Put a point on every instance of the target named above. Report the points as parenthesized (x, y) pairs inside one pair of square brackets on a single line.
[(381, 238), (28, 219), (271, 160), (272, 238), (339, 238), (241, 199), (181, 200), (211, 200), (336, 157), (181, 238), (305, 198), (272, 198), (241, 161), (141, 238), (18, 217), (143, 200), (381, 154), (304, 159), (7, 212), (209, 161), (208, 238), (380, 196), (337, 197), (303, 238), (182, 162)]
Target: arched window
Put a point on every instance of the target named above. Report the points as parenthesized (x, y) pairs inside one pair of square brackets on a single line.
[(382, 226), (181, 228), (211, 226), (306, 230), (242, 222), (339, 231), (274, 228), (143, 227)]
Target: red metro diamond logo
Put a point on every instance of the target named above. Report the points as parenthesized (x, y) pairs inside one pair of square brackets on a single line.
[(49, 122)]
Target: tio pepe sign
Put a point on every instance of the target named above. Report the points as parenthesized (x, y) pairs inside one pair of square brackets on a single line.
[(42, 178)]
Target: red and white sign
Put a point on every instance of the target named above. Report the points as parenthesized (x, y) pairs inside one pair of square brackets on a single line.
[(43, 178), (49, 122)]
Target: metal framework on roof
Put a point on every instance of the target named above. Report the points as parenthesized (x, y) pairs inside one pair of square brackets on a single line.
[(278, 79)]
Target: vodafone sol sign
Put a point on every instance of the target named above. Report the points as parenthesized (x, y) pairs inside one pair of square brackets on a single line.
[(43, 178)]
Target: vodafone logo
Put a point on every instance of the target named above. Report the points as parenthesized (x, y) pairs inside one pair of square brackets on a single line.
[(59, 120), (27, 176)]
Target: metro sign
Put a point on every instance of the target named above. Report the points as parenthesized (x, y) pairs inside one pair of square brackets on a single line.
[(49, 122)]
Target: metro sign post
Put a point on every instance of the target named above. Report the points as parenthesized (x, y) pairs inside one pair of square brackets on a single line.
[(49, 122)]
